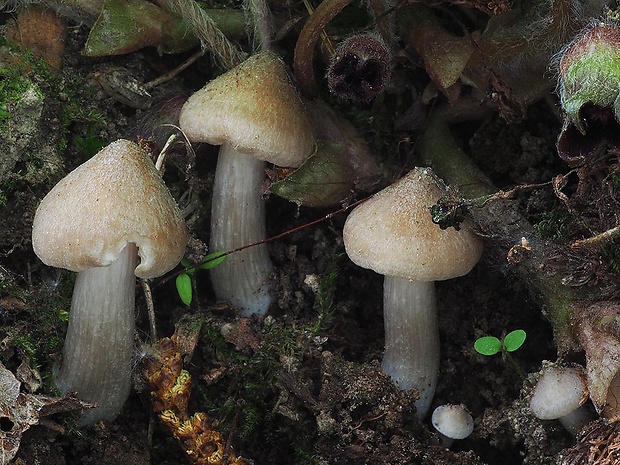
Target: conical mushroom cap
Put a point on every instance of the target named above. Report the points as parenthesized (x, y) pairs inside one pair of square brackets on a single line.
[(255, 108), (115, 198), (392, 233)]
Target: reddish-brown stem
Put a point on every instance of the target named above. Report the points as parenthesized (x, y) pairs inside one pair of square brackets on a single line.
[(269, 239), (304, 49), (384, 23)]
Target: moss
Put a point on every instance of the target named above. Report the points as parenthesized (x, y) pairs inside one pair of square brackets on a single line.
[(252, 395), (554, 226), (610, 254), (38, 332)]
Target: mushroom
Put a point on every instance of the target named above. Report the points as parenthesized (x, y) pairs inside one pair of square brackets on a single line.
[(559, 395), (452, 421), (97, 221), (392, 233), (256, 115)]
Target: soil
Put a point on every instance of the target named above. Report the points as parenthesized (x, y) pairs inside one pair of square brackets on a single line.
[(303, 385)]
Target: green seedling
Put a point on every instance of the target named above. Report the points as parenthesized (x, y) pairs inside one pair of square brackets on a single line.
[(490, 345), (184, 281)]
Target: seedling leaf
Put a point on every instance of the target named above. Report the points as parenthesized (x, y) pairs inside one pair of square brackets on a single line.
[(488, 345), (514, 339), (212, 260), (184, 288)]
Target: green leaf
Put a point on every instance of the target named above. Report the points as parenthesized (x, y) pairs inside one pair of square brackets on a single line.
[(212, 260), (488, 345), (514, 340), (184, 288), (325, 179)]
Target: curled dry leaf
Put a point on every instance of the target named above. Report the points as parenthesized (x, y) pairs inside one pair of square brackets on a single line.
[(20, 411), (597, 328)]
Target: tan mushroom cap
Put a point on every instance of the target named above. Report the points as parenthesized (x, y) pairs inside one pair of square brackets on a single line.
[(256, 109), (392, 233), (115, 198)]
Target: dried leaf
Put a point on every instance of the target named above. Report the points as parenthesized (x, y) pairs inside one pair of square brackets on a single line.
[(187, 334), (597, 327), (21, 411), (124, 27), (325, 179), (341, 165), (41, 31)]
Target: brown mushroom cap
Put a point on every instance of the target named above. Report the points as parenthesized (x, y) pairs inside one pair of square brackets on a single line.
[(255, 108), (392, 233), (115, 198)]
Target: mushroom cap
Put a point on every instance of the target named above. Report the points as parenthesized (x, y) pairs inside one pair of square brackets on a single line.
[(559, 391), (115, 198), (453, 421), (393, 234), (255, 108)]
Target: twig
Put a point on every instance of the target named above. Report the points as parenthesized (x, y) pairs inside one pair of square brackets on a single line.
[(502, 223), (259, 16), (148, 296), (308, 37), (598, 240), (264, 241), (176, 71), (211, 37)]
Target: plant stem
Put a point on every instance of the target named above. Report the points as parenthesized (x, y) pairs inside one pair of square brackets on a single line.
[(261, 20), (500, 221), (211, 37), (304, 49)]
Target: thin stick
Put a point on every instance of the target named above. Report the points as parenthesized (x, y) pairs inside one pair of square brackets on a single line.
[(304, 48), (598, 240), (211, 37), (148, 295), (174, 72), (269, 239)]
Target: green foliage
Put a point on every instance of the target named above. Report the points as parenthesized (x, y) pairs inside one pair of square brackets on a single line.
[(610, 253), (555, 225), (251, 391), (514, 339), (251, 420), (38, 331), (90, 144), (13, 85), (325, 294), (184, 282), (490, 345), (184, 288)]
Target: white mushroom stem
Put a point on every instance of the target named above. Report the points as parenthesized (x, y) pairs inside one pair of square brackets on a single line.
[(97, 354), (237, 219), (577, 419), (411, 355)]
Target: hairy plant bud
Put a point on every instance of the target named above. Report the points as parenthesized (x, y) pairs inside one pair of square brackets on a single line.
[(360, 67), (589, 88)]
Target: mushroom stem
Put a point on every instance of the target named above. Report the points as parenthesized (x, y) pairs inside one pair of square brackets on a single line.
[(102, 317), (411, 355), (577, 419), (237, 219)]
